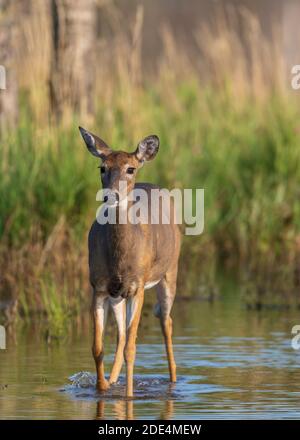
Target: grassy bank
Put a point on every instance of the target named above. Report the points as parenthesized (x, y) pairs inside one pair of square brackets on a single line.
[(233, 135), (246, 158)]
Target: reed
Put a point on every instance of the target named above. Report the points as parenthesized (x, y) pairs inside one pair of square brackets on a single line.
[(231, 128)]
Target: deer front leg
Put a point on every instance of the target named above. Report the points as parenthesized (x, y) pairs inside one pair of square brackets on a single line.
[(100, 309), (166, 293), (133, 314), (166, 325), (118, 306)]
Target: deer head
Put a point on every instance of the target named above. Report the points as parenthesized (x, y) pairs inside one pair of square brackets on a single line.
[(118, 169)]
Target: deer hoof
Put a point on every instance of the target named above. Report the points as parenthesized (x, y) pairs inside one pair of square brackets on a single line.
[(103, 386)]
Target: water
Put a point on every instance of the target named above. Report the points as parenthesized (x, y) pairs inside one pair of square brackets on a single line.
[(231, 363)]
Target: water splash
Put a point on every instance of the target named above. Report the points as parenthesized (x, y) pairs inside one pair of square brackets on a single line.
[(83, 385), (83, 379)]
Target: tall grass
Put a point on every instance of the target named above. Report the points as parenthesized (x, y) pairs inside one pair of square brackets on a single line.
[(232, 130)]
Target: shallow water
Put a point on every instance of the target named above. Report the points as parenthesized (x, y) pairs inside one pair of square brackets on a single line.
[(231, 363)]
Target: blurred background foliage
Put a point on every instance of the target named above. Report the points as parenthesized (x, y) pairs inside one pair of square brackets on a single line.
[(211, 78)]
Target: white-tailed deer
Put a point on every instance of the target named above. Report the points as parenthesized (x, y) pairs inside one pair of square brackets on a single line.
[(125, 259)]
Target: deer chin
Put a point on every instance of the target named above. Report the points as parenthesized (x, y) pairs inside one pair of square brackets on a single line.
[(122, 204), (119, 203), (113, 204)]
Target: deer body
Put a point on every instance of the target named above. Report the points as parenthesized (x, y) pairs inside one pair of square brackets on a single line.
[(125, 259)]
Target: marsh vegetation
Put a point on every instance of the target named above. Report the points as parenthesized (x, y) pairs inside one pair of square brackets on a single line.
[(231, 128)]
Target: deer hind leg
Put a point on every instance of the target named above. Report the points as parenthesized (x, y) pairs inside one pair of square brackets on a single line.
[(100, 309), (118, 306), (133, 313), (166, 291)]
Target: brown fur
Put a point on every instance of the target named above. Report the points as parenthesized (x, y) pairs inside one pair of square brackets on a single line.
[(123, 258), (123, 254)]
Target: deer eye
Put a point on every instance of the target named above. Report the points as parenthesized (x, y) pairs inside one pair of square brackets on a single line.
[(102, 169), (130, 170)]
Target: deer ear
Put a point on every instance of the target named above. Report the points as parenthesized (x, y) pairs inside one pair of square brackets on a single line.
[(147, 148), (95, 145)]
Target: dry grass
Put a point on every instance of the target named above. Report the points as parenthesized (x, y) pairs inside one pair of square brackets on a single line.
[(227, 123), (226, 57)]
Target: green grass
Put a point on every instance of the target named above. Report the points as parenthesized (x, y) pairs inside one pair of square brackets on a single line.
[(244, 154)]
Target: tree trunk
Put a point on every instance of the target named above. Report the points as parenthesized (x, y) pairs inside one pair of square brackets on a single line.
[(9, 87), (291, 33), (73, 66)]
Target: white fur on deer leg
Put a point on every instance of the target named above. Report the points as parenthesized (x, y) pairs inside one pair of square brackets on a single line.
[(131, 307), (101, 308), (118, 306), (151, 284)]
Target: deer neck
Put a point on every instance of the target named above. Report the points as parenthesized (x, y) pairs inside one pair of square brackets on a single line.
[(121, 237)]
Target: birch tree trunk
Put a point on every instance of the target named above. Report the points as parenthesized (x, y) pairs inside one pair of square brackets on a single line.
[(9, 87), (291, 33), (73, 66)]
